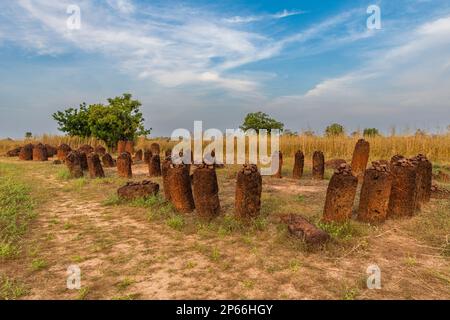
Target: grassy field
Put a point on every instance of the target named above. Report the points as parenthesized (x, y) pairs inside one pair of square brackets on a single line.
[(436, 148), (145, 250)]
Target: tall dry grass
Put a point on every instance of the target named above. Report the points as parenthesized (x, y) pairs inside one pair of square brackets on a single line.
[(436, 148)]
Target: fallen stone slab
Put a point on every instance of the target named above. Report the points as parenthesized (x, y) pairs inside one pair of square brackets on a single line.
[(135, 190), (305, 230)]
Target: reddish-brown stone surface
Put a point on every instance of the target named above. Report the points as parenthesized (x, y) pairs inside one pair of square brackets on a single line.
[(424, 178), (147, 156), (95, 166), (121, 146), (155, 148), (402, 201), (138, 155), (63, 151), (51, 151), (14, 152), (108, 161), (165, 166), (360, 158), (124, 165), (248, 192), (306, 231), (341, 194), (154, 166), (40, 152), (375, 193), (100, 150), (26, 152), (73, 163), (206, 191), (135, 190), (318, 168), (278, 174), (85, 148), (180, 188), (129, 146), (83, 160), (299, 164)]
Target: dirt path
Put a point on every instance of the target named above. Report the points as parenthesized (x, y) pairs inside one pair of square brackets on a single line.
[(123, 255)]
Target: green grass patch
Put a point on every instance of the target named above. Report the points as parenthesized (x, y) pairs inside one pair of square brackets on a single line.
[(16, 210), (11, 289)]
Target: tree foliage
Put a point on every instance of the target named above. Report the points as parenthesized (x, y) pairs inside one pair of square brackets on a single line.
[(371, 132), (120, 119), (260, 120), (334, 129)]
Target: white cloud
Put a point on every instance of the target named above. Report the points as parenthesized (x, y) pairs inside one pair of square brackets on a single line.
[(123, 6), (255, 18), (174, 46), (402, 84)]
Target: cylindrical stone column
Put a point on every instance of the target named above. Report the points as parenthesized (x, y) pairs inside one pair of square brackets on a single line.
[(124, 165), (318, 168), (248, 192), (154, 166), (375, 192), (360, 158), (165, 166), (138, 155), (26, 152), (40, 153), (299, 164), (108, 161), (94, 166), (402, 201), (341, 194), (73, 163), (278, 174), (206, 191), (180, 188), (63, 151)]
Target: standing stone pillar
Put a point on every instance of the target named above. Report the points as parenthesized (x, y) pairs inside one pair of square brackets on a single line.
[(40, 153), (299, 163), (73, 163), (424, 177), (278, 173), (375, 192), (180, 188), (124, 165), (26, 152), (206, 191), (341, 194), (138, 155), (318, 168), (402, 201), (108, 161), (248, 192), (165, 167), (154, 167), (94, 166), (360, 158), (63, 151)]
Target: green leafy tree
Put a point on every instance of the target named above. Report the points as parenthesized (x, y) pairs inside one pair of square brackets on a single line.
[(371, 132), (261, 120), (74, 121), (334, 129), (28, 135), (121, 119)]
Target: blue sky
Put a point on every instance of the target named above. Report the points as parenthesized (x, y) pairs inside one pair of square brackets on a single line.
[(307, 63)]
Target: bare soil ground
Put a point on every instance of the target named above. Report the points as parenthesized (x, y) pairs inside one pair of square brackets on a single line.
[(143, 250)]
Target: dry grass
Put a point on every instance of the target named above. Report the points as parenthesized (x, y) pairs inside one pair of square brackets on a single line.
[(142, 249), (436, 148)]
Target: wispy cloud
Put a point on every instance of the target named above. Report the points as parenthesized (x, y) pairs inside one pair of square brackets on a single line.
[(173, 46), (255, 18), (403, 82)]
